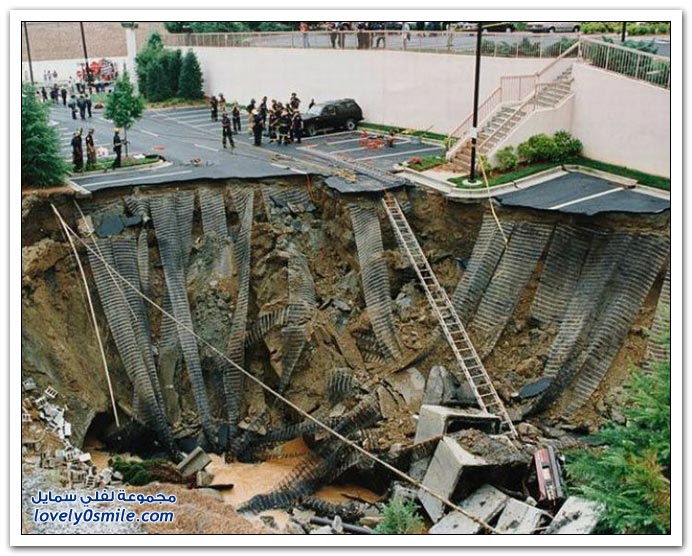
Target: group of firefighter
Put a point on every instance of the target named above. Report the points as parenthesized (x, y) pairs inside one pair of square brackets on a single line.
[(280, 123)]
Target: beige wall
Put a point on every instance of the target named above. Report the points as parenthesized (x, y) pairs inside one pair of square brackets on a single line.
[(407, 89), (621, 120)]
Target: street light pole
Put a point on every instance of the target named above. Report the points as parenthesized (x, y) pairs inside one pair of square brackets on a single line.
[(624, 31), (476, 86), (86, 56), (28, 52)]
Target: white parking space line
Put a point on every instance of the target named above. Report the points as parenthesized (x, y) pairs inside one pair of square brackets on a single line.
[(149, 133), (205, 147), (587, 198), (343, 141), (108, 182), (188, 117), (172, 113), (405, 153), (326, 136)]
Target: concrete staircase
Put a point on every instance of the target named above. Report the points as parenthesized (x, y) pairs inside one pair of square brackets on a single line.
[(508, 116)]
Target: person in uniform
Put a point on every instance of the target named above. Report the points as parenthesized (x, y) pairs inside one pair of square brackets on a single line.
[(296, 127), (284, 127), (91, 150), (214, 105), (73, 106), (227, 134), (273, 122), (87, 100), (257, 125), (222, 103), (235, 113), (77, 152), (117, 148), (81, 104), (264, 112), (251, 116), (294, 103), (63, 94)]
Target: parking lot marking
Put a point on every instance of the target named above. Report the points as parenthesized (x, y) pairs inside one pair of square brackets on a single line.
[(587, 198), (108, 182), (149, 133), (205, 147), (405, 153), (325, 135)]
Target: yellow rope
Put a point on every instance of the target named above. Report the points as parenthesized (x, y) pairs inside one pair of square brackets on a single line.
[(276, 394), (490, 200)]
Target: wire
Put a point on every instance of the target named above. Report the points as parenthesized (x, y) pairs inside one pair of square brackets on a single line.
[(93, 320), (276, 394)]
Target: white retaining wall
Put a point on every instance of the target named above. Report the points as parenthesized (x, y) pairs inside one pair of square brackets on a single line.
[(622, 120), (409, 89)]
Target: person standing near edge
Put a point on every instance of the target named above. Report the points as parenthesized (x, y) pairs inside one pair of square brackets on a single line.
[(117, 148), (77, 152), (91, 150)]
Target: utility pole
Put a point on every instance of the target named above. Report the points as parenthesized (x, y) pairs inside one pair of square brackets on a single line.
[(28, 52), (86, 57), (624, 31), (476, 86)]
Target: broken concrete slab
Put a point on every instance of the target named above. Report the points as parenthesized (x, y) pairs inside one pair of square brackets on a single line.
[(577, 516), (519, 518), (435, 420), (195, 461), (443, 474), (410, 384), (484, 504)]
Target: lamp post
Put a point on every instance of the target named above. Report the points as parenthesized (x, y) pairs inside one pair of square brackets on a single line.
[(28, 52), (476, 86), (86, 56), (624, 31), (131, 36)]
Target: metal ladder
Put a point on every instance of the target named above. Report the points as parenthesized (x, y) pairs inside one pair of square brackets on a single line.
[(453, 329)]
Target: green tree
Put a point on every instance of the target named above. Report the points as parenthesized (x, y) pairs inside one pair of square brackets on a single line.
[(151, 51), (41, 162), (190, 82), (630, 472), (173, 61), (123, 106), (158, 87)]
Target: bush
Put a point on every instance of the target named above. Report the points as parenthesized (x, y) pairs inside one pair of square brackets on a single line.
[(567, 146), (538, 148), (173, 62), (42, 165), (157, 85), (151, 51), (190, 81), (400, 518), (630, 473), (507, 159)]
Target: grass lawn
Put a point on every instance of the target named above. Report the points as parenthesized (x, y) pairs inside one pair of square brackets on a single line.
[(403, 131), (179, 103), (523, 171), (427, 162)]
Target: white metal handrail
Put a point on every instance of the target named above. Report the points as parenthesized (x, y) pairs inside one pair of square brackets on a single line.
[(626, 61)]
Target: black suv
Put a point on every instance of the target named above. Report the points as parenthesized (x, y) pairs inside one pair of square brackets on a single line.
[(332, 114)]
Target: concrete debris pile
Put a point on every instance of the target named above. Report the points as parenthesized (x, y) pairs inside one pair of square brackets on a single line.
[(512, 486), (46, 442)]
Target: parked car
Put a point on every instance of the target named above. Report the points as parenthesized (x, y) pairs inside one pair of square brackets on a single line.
[(498, 26), (553, 26), (331, 115)]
